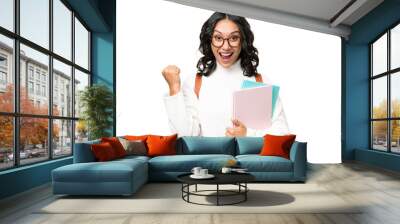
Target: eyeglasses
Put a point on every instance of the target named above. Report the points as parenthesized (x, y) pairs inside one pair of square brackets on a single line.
[(219, 41)]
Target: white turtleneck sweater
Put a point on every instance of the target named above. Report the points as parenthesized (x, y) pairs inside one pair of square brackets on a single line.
[(211, 113)]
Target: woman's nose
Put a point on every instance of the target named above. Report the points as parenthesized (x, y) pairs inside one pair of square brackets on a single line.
[(226, 45)]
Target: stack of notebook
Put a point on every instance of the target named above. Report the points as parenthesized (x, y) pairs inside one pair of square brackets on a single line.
[(254, 104)]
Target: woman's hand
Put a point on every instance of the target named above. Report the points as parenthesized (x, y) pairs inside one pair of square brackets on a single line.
[(238, 130), (171, 75)]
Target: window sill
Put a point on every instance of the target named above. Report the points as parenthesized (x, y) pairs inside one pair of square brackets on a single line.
[(30, 166), (390, 161)]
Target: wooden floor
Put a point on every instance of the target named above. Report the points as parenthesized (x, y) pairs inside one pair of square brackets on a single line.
[(377, 188)]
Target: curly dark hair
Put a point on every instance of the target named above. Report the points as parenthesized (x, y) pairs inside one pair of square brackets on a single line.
[(248, 55)]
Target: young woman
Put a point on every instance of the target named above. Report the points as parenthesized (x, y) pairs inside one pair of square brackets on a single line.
[(202, 106)]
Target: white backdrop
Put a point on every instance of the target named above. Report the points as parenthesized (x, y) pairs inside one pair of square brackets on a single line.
[(306, 65)]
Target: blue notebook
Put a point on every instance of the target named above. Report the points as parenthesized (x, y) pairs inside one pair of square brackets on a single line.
[(275, 90)]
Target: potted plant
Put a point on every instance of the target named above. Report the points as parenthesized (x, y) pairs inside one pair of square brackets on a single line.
[(97, 106)]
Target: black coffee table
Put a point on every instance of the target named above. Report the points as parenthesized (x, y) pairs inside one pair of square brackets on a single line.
[(238, 179)]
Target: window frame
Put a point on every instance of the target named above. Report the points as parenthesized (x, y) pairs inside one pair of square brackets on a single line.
[(15, 72), (3, 70), (388, 74), (6, 61)]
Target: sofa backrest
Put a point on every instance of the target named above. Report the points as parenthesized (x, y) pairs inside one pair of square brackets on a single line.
[(206, 145), (190, 145), (83, 152), (249, 145)]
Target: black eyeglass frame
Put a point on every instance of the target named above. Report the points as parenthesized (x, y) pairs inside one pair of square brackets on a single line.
[(228, 39)]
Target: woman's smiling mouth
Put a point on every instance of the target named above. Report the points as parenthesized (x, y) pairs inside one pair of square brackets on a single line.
[(226, 56)]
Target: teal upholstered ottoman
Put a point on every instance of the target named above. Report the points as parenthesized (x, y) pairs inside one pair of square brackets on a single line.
[(118, 177)]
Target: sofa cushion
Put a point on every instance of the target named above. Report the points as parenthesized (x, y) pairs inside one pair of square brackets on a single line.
[(136, 137), (206, 145), (161, 145), (257, 163), (277, 145), (249, 145), (116, 145), (133, 158), (185, 163), (111, 171), (134, 147), (103, 152)]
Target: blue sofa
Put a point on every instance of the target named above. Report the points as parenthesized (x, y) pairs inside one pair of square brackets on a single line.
[(125, 176)]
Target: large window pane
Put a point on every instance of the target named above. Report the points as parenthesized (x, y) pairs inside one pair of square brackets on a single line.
[(62, 29), (395, 94), (395, 47), (6, 74), (7, 14), (379, 98), (35, 21), (62, 138), (34, 81), (379, 55), (34, 96), (81, 81), (62, 89), (379, 135), (395, 136), (6, 142), (81, 45), (33, 139)]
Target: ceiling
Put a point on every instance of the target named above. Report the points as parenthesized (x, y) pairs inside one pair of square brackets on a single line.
[(327, 16)]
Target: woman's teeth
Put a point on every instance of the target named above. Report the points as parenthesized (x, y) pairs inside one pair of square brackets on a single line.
[(226, 55)]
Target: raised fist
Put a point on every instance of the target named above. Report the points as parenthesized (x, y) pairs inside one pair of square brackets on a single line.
[(171, 75)]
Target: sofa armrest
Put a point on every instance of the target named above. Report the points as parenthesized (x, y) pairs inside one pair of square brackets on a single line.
[(83, 152), (298, 155)]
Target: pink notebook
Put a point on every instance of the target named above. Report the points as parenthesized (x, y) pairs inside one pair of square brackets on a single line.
[(253, 107)]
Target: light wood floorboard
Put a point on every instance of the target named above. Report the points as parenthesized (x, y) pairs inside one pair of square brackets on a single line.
[(376, 188)]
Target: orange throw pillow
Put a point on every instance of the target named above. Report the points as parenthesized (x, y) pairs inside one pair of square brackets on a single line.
[(103, 152), (161, 145), (277, 145), (116, 145), (136, 138)]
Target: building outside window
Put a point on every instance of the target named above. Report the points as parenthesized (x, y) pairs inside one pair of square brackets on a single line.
[(3, 78), (62, 85), (3, 72), (3, 61), (30, 87), (55, 96), (44, 77), (43, 90), (38, 89), (37, 75), (30, 72)]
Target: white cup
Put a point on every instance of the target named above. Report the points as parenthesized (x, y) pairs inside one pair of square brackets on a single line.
[(226, 170), (196, 171), (203, 172)]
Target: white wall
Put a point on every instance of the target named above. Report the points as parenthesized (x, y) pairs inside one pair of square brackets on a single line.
[(305, 64)]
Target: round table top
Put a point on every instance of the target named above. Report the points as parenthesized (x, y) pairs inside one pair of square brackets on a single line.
[(220, 178)]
